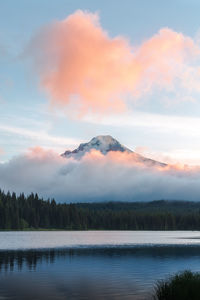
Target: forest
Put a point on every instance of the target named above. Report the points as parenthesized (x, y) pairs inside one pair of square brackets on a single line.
[(33, 213)]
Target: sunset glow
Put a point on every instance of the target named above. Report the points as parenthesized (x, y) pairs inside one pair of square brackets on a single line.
[(75, 57), (100, 101)]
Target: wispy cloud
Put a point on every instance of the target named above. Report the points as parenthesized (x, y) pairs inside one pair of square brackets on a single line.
[(39, 136), (159, 122), (189, 156)]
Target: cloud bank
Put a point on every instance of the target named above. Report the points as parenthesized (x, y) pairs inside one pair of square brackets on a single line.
[(115, 176), (85, 70)]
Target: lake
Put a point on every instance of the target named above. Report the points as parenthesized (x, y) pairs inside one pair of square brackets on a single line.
[(92, 264)]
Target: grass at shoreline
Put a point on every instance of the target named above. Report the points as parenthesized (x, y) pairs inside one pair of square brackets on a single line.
[(181, 286)]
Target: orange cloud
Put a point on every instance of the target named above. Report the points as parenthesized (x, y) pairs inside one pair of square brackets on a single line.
[(133, 160), (128, 160), (82, 68)]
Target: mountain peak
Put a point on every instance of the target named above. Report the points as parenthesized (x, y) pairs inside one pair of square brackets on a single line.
[(103, 139), (102, 143)]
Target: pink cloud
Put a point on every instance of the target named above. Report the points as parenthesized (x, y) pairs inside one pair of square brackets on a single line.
[(85, 70), (1, 151), (38, 153)]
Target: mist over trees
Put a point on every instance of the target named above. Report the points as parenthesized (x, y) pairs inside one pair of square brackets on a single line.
[(31, 212), (96, 177)]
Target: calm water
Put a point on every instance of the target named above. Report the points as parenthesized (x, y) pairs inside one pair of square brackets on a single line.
[(92, 264)]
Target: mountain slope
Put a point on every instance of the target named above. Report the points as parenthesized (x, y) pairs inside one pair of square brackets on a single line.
[(102, 143), (105, 144)]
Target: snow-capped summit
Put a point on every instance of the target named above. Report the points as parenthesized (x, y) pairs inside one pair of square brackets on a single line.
[(102, 143)]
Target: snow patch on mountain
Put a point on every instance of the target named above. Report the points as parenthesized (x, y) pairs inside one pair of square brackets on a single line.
[(105, 144), (102, 143)]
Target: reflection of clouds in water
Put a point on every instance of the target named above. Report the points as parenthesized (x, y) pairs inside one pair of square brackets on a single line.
[(76, 274), (104, 273), (28, 288)]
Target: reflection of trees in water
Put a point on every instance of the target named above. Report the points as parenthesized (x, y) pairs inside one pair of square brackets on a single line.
[(10, 260), (17, 259)]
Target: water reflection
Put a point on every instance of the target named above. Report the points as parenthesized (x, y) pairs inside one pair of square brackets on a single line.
[(16, 260), (91, 273)]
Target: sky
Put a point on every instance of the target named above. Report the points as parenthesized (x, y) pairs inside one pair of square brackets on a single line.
[(161, 122), (72, 70)]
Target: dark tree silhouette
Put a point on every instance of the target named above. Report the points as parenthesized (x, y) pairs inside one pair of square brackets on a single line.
[(31, 212)]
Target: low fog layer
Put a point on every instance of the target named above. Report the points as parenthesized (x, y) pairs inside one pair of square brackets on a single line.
[(96, 177)]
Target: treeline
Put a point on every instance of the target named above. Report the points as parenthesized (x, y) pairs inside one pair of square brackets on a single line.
[(31, 212)]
